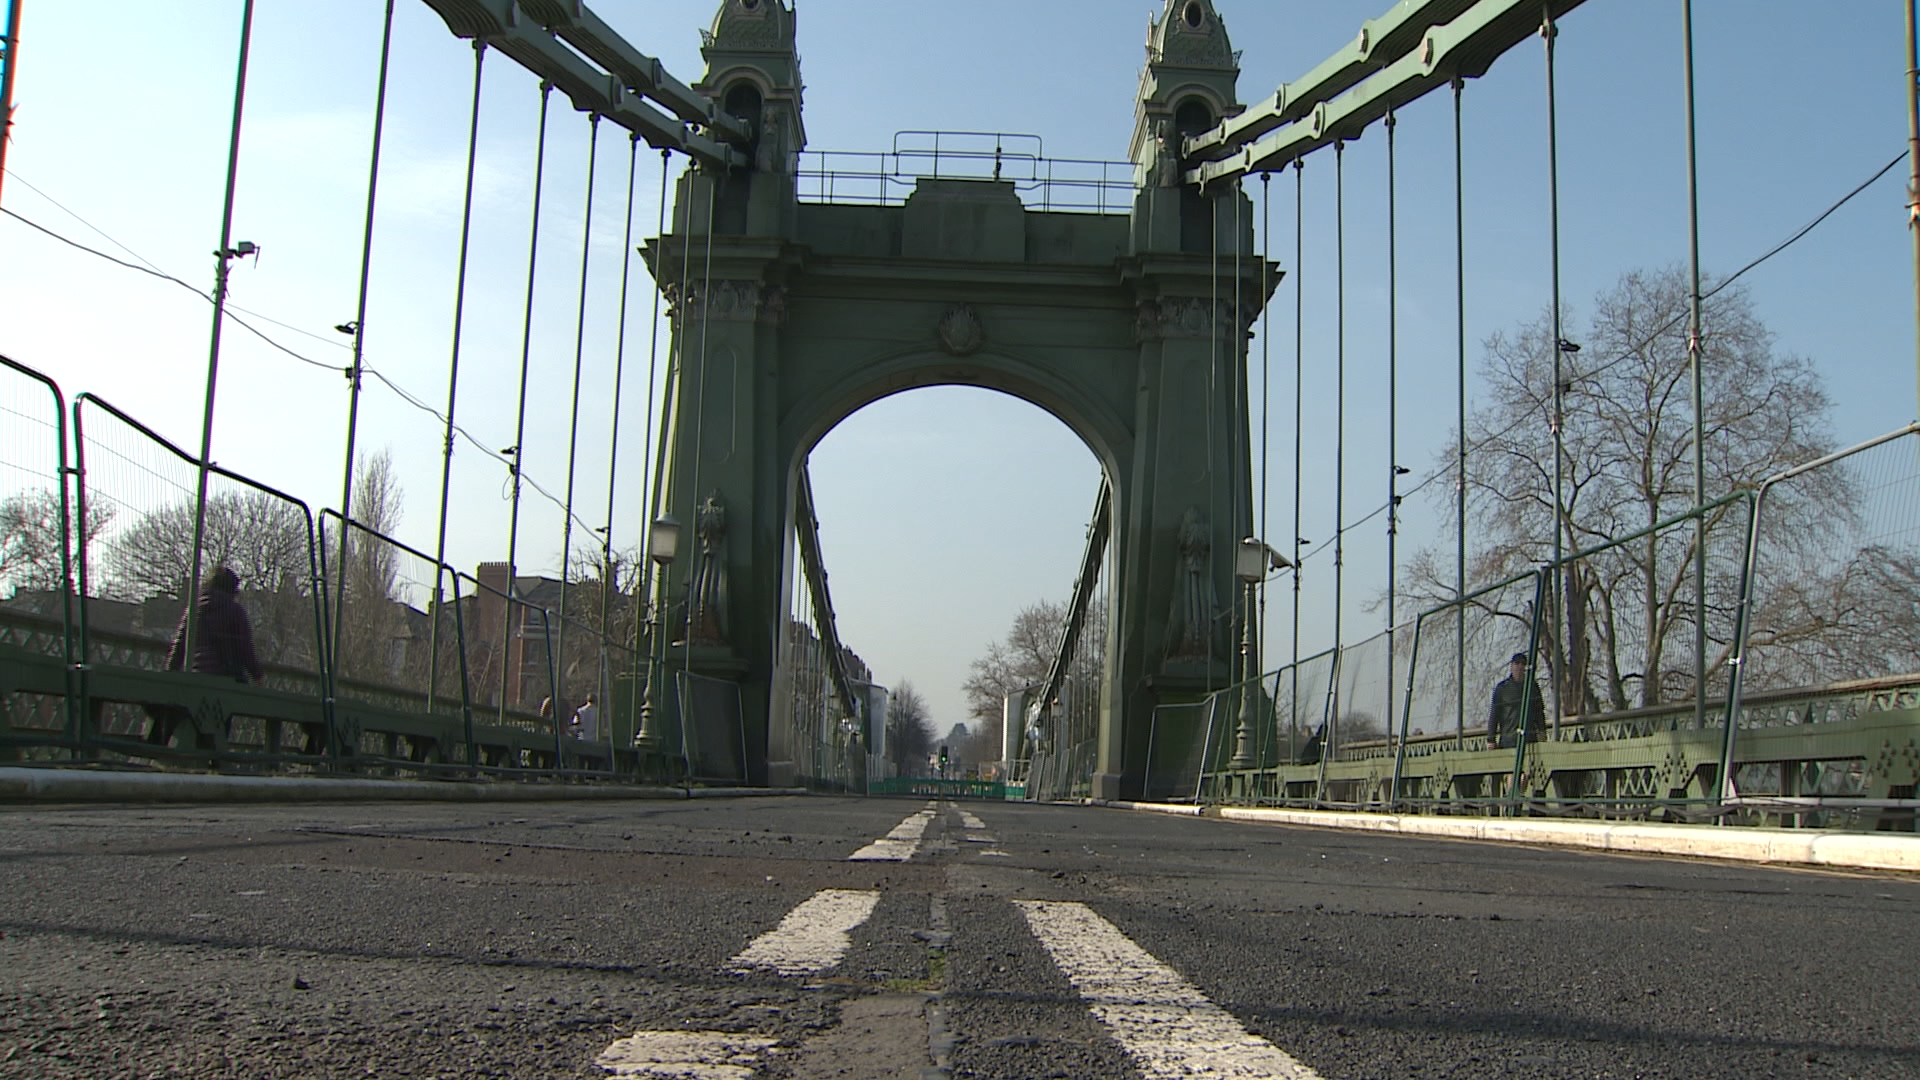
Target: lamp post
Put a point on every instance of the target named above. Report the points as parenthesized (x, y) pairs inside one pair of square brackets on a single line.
[(663, 543), (1252, 561)]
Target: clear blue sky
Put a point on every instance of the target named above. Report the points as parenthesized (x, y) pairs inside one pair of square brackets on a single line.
[(944, 511)]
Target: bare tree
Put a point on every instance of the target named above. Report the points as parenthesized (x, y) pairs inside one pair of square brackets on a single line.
[(1023, 658), (30, 540), (909, 730), (1626, 617), (376, 628), (601, 613), (263, 539)]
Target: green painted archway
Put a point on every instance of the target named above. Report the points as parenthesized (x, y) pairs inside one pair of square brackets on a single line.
[(1130, 328)]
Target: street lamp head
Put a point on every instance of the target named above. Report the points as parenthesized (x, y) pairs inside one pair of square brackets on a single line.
[(1250, 561), (663, 539), (348, 328)]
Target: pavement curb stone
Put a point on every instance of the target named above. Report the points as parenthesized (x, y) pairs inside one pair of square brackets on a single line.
[(42, 785), (1805, 847)]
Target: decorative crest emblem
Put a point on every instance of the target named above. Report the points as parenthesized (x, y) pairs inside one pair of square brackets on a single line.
[(960, 330)]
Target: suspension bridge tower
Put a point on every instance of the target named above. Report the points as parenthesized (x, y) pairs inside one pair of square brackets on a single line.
[(791, 313)]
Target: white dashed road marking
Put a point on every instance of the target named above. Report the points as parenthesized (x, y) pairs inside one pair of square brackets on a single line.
[(970, 821), (812, 937), (684, 1055), (1166, 1024), (900, 844)]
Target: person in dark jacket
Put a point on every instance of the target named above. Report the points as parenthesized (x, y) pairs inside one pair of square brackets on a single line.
[(222, 645), (1513, 696)]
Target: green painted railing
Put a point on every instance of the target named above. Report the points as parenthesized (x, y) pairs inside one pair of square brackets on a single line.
[(75, 693), (935, 788)]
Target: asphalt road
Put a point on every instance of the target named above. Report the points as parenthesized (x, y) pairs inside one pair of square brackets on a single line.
[(551, 940)]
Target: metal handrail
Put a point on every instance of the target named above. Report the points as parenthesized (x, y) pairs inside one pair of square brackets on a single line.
[(316, 579), (72, 669), (1743, 620)]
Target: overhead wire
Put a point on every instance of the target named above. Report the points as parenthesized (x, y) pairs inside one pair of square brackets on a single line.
[(162, 275), (148, 266), (96, 230), (399, 391), (1424, 483), (1430, 478), (1676, 321)]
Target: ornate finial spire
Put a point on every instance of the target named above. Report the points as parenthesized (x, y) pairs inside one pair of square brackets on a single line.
[(1188, 83), (753, 71), (753, 25)]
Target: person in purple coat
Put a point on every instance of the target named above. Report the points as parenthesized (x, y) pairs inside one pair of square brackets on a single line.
[(222, 634), (222, 644)]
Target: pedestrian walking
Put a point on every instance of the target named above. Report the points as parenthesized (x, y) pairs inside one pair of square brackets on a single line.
[(1514, 698), (222, 645), (586, 721)]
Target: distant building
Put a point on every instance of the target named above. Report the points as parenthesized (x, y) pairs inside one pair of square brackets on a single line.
[(525, 647)]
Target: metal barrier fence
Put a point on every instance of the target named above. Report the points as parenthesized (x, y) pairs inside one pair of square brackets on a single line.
[(376, 667), (36, 538), (1830, 597), (933, 788), (1062, 763), (137, 491), (397, 637), (713, 734), (1459, 648), (1177, 743), (1302, 702), (1812, 608)]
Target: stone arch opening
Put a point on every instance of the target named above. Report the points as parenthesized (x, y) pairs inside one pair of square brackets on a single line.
[(1102, 433), (1001, 489)]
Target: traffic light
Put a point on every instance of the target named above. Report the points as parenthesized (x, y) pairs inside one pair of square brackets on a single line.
[(943, 757)]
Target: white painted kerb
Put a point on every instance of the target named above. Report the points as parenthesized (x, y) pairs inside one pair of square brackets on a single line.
[(1742, 843)]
